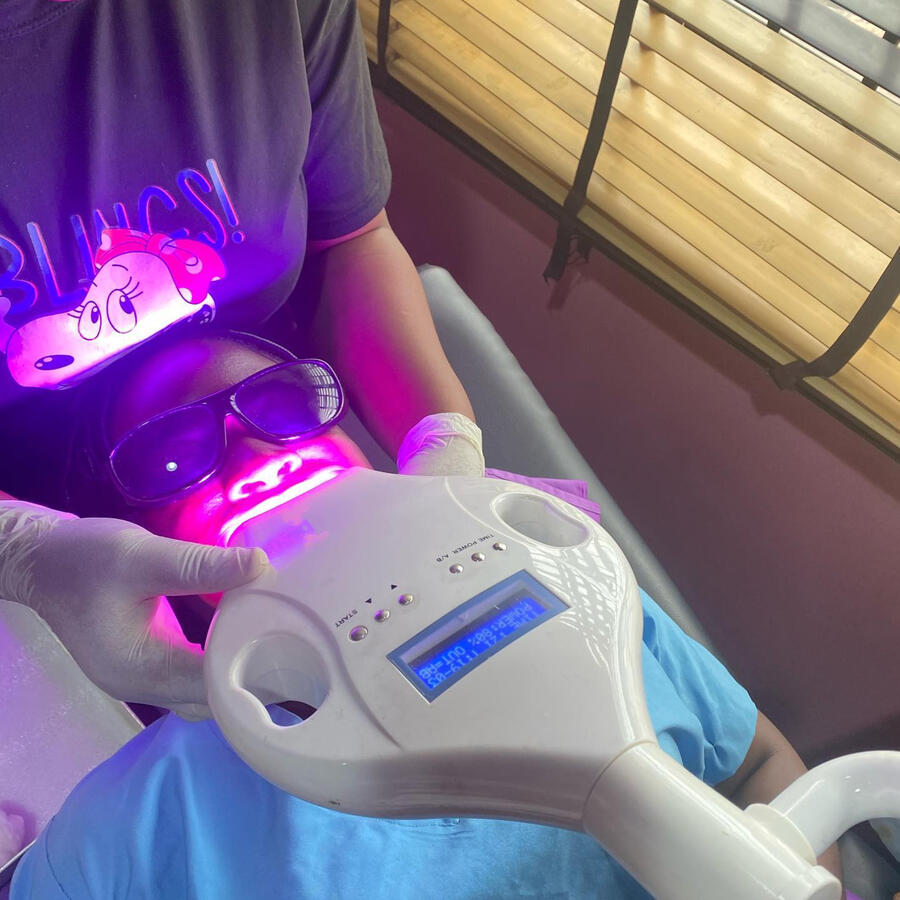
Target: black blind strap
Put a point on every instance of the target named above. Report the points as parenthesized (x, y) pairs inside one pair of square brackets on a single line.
[(859, 329), (615, 53), (384, 24)]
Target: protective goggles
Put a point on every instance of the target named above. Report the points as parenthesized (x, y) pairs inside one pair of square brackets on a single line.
[(176, 451)]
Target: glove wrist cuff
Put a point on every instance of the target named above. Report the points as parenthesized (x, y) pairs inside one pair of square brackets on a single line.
[(23, 526), (433, 429)]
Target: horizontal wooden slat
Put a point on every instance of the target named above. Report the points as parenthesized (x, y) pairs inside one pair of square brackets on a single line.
[(834, 144), (789, 305), (472, 124), (836, 37), (487, 135), (833, 244), (734, 303), (883, 13), (462, 116), (833, 392), (793, 172), (755, 232), (860, 107), (516, 110), (841, 394), (839, 181), (797, 169)]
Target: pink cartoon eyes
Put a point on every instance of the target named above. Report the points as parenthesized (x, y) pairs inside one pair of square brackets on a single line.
[(90, 321), (120, 311)]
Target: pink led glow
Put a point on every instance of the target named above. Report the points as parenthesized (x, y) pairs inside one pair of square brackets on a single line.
[(144, 284), (315, 480), (256, 477), (269, 474)]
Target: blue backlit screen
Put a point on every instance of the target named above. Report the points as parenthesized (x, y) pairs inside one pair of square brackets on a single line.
[(436, 665), (450, 648)]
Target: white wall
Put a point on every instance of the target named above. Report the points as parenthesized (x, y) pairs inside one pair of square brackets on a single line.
[(779, 524)]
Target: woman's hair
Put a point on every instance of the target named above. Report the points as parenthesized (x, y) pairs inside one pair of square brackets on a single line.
[(88, 488)]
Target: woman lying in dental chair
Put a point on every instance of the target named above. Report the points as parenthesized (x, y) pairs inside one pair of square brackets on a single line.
[(200, 430)]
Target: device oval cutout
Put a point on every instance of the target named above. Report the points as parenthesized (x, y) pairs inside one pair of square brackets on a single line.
[(539, 519)]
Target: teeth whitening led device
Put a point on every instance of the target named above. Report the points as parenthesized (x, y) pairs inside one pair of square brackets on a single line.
[(473, 648)]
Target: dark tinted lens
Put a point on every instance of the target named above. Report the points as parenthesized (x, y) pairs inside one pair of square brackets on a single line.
[(291, 400), (168, 454)]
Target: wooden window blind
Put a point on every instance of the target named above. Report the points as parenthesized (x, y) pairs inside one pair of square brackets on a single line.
[(748, 166)]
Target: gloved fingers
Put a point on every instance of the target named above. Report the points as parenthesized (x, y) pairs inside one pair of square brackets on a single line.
[(155, 673), (167, 673), (167, 566), (149, 660)]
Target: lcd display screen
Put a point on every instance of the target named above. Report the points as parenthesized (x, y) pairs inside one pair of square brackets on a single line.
[(457, 643)]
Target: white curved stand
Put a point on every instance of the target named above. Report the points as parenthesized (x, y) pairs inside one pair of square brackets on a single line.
[(684, 841), (841, 793)]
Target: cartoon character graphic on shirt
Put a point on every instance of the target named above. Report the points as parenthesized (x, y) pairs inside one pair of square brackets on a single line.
[(143, 285)]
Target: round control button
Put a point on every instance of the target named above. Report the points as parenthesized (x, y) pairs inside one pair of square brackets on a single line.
[(382, 615), (455, 569), (499, 545), (358, 633), (477, 557), (405, 599)]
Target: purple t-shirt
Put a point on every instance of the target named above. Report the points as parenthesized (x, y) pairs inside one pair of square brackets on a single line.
[(248, 125)]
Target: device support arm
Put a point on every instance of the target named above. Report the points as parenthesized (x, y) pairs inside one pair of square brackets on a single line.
[(841, 793), (684, 841)]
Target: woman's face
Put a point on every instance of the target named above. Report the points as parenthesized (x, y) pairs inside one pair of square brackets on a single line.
[(254, 474)]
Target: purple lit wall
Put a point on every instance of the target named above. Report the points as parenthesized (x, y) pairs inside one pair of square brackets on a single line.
[(780, 525)]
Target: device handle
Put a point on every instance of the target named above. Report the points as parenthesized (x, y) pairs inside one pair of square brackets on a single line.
[(237, 633), (257, 653), (684, 841)]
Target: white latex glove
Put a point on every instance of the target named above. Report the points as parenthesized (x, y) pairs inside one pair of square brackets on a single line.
[(12, 836), (442, 444), (98, 584)]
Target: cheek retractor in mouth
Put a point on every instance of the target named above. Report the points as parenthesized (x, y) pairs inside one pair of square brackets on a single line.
[(266, 477), (272, 500)]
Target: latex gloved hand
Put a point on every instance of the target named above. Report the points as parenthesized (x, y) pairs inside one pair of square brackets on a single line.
[(442, 444), (98, 584)]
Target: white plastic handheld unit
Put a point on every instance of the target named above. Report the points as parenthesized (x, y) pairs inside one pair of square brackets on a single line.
[(473, 648)]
